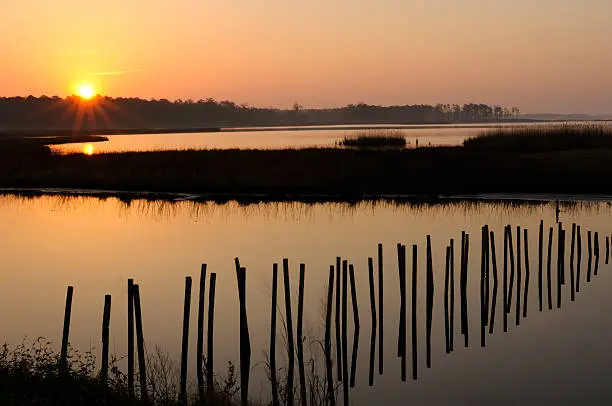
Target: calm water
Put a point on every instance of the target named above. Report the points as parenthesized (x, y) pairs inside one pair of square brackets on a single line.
[(268, 138), (558, 356)]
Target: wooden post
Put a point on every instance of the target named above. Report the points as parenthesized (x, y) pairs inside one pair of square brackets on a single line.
[(300, 336), (527, 274), (200, 342), (548, 267), (446, 299), (579, 259), (66, 330), (210, 382), (487, 275), (607, 249), (483, 281), (105, 335), (505, 284), (373, 315), (559, 252), (185, 341), (518, 275), (540, 261), (572, 254), (590, 253), (273, 332), (142, 370), (464, 302), (130, 329), (355, 325), (452, 295), (401, 347), (414, 313), (345, 371), (338, 319), (430, 299), (380, 309), (596, 251), (495, 281), (290, 345), (245, 340), (511, 252), (328, 356)]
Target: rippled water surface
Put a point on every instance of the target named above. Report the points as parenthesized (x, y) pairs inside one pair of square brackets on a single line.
[(554, 356)]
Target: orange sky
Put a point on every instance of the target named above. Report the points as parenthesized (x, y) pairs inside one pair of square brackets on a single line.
[(540, 55)]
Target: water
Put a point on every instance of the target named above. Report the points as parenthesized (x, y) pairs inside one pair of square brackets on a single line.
[(278, 138), (95, 245)]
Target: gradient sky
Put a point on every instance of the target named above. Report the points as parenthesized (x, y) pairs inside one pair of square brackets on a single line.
[(539, 55)]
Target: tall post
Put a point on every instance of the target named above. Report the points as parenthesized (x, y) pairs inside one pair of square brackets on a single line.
[(446, 300), (356, 326), (483, 282), (527, 274), (518, 275), (185, 341), (579, 259), (245, 340), (540, 257), (142, 370), (300, 336), (452, 295), (414, 313), (505, 284), (590, 254), (290, 346), (345, 371), (373, 315), (273, 332), (548, 268), (66, 330), (210, 383), (495, 281), (130, 338), (464, 302), (380, 309), (571, 264), (331, 396), (338, 318), (430, 299), (200, 342)]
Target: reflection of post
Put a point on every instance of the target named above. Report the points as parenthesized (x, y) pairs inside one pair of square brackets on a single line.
[(373, 328), (540, 257), (414, 314), (548, 267), (527, 274), (380, 309), (430, 298), (571, 264), (590, 254), (328, 357), (518, 275), (494, 301), (579, 259)]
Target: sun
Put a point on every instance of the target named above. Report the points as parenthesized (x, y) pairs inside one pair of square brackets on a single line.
[(86, 91)]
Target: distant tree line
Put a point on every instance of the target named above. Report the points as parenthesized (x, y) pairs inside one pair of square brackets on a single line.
[(106, 112)]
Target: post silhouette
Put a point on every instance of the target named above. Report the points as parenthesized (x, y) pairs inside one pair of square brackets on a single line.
[(414, 313), (540, 258), (505, 284), (142, 370), (273, 377), (579, 259), (607, 249), (401, 347), (200, 342), (487, 274), (452, 295), (495, 281), (130, 338), (511, 252), (548, 267), (290, 345), (245, 340), (518, 275), (464, 303), (430, 299), (105, 336), (373, 315), (596, 251), (345, 371), (300, 336), (328, 356), (483, 281), (560, 253), (338, 319), (185, 341), (66, 330), (590, 254), (446, 299), (527, 273), (356, 326), (210, 387), (380, 308), (571, 265)]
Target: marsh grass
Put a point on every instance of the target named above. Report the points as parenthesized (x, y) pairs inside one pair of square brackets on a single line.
[(375, 139), (535, 139)]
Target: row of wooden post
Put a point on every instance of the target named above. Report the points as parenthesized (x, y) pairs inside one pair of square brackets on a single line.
[(339, 278)]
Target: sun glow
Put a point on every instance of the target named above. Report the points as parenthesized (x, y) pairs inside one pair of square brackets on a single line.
[(88, 149), (86, 91)]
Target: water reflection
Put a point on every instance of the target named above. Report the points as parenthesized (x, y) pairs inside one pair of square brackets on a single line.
[(96, 244)]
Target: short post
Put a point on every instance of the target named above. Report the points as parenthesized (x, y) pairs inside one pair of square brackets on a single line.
[(105, 336), (495, 281), (210, 382), (451, 329), (607, 249), (579, 259), (596, 251), (66, 330), (518, 275), (572, 255), (505, 284), (590, 254)]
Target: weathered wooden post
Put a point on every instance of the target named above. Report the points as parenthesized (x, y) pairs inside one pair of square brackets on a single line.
[(446, 299), (548, 267), (210, 383), (130, 338), (464, 303), (452, 295), (356, 326), (518, 275), (66, 330), (185, 341), (596, 251), (300, 336), (245, 340), (572, 254), (331, 397), (401, 348), (373, 315), (505, 284), (430, 299), (338, 318), (414, 313), (540, 257), (200, 342), (105, 336), (495, 281), (290, 342), (579, 259), (345, 371), (590, 253), (273, 377), (142, 370), (380, 309), (527, 274), (511, 252)]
